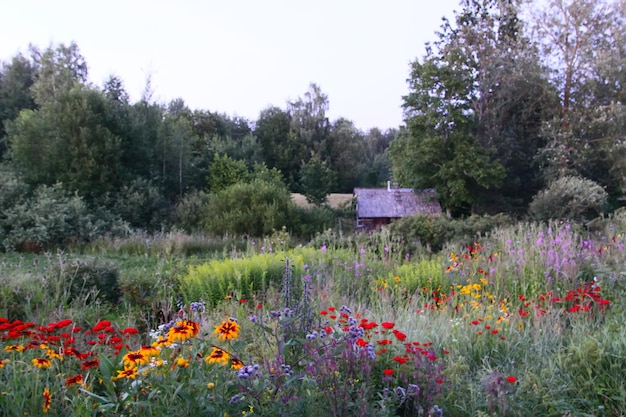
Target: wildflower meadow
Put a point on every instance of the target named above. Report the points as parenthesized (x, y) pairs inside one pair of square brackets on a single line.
[(527, 321)]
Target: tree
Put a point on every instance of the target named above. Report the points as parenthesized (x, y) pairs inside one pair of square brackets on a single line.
[(317, 181), (16, 79), (473, 112), (226, 171), (58, 70), (584, 44), (309, 122), (345, 154), (280, 147), (68, 141)]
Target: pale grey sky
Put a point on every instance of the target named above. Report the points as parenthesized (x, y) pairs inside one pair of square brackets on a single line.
[(238, 57)]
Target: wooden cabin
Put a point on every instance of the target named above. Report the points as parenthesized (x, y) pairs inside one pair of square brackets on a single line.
[(376, 207)]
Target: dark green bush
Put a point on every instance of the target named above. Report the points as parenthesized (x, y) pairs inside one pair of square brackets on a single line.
[(141, 204), (191, 212), (87, 279), (53, 217), (256, 208), (569, 198)]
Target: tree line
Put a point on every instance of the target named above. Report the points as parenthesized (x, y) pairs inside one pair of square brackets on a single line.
[(516, 108), (515, 97)]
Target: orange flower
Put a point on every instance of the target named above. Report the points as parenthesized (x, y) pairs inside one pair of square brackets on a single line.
[(127, 373), (132, 359), (14, 348), (3, 362), (41, 362), (236, 363), (181, 363), (74, 380), (228, 330), (183, 330), (217, 356), (47, 400)]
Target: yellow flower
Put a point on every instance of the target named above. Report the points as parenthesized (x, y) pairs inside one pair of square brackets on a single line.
[(236, 363), (181, 362), (14, 348), (217, 356), (127, 373), (210, 385), (47, 400), (227, 330), (132, 359), (183, 330), (41, 362)]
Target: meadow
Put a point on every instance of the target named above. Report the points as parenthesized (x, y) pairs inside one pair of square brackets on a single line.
[(525, 321)]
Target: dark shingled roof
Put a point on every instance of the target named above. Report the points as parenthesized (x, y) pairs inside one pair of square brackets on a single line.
[(395, 202)]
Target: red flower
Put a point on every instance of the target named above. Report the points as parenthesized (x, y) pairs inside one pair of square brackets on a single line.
[(388, 372), (129, 331), (511, 379), (361, 342), (387, 324), (399, 359), (399, 335)]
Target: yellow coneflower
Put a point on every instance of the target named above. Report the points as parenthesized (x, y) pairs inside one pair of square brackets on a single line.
[(183, 330), (132, 359), (127, 373), (42, 362), (14, 348), (47, 400), (217, 356), (181, 363), (74, 380), (227, 330), (236, 363)]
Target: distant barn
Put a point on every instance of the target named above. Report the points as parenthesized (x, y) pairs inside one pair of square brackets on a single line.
[(376, 207)]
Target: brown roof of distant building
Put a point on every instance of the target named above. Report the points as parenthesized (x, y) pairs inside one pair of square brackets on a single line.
[(395, 202)]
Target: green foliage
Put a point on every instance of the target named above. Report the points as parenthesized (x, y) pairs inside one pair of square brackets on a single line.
[(226, 171), (68, 141), (88, 279), (192, 211), (255, 208), (141, 204), (317, 180), (569, 198), (51, 217), (435, 231), (244, 278)]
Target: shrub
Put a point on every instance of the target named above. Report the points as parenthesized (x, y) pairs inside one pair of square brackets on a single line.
[(435, 231), (88, 279), (569, 198), (141, 203), (256, 208), (191, 212)]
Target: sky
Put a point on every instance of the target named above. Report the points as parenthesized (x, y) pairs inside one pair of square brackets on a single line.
[(240, 57)]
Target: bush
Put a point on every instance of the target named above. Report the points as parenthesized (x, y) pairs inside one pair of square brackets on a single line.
[(141, 204), (256, 208), (87, 279), (191, 212), (53, 217), (569, 198), (435, 231)]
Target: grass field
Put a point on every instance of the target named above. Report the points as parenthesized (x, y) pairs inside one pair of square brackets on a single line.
[(335, 200), (529, 321)]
